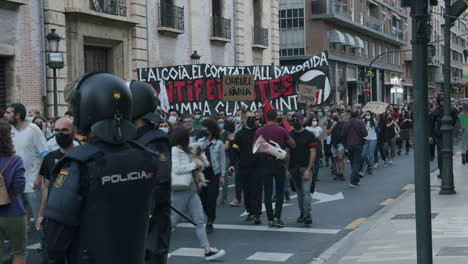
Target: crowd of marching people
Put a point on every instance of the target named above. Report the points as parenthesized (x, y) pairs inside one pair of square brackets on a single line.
[(212, 152)]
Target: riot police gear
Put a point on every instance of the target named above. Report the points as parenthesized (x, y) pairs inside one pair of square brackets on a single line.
[(145, 102), (102, 103)]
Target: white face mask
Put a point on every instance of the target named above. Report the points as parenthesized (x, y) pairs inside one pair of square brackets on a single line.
[(164, 129), (314, 123), (172, 120)]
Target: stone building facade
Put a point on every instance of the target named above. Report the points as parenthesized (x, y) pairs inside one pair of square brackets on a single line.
[(21, 54), (356, 33), (231, 32)]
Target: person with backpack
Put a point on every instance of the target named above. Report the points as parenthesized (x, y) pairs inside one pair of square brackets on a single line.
[(12, 212)]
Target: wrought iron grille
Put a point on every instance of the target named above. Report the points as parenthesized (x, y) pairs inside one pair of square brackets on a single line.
[(112, 7), (221, 27), (171, 16), (260, 36)]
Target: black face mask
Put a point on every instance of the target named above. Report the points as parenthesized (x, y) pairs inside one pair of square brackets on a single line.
[(64, 140), (297, 125), (335, 118), (279, 120), (250, 122)]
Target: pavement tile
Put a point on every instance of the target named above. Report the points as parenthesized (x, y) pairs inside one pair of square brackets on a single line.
[(391, 241)]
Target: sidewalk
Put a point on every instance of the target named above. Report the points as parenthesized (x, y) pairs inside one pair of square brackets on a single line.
[(384, 239)]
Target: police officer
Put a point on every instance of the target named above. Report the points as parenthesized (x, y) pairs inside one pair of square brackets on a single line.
[(145, 118), (100, 198)]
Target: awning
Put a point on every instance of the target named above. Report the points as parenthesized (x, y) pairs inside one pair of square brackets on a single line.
[(335, 36), (358, 43), (349, 40)]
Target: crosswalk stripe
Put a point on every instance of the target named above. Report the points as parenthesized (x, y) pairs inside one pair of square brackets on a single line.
[(270, 256), (188, 252), (269, 229)]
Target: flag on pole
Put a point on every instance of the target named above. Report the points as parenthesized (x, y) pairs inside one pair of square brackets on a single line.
[(267, 106), (163, 99)]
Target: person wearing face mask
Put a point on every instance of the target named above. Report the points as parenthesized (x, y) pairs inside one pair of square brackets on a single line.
[(245, 162), (145, 117), (337, 147), (371, 141), (197, 119), (174, 118), (239, 119), (63, 133), (299, 167), (318, 133), (345, 116), (165, 127), (214, 150), (224, 136)]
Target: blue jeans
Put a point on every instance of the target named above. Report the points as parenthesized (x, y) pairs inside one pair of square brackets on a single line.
[(304, 198), (318, 155), (369, 153), (190, 200), (33, 199)]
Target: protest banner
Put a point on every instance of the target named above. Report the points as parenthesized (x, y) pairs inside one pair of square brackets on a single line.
[(375, 107), (238, 87), (200, 86)]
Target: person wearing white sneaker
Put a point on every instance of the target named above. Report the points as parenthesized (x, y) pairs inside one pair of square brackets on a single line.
[(214, 253), (188, 198)]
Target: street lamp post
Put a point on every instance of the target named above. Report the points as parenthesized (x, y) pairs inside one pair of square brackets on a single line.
[(54, 61), (195, 58)]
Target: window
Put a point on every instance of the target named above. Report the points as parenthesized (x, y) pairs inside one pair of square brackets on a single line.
[(442, 50), (379, 53), (332, 46), (373, 50), (366, 48), (257, 9), (217, 10), (291, 18), (386, 55), (292, 52), (343, 49)]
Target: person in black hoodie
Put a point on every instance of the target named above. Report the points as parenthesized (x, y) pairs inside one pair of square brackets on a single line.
[(251, 181)]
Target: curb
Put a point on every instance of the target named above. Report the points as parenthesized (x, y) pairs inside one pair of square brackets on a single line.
[(331, 255), (339, 250)]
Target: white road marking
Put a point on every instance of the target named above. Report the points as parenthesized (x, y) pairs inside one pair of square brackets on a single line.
[(188, 252), (321, 197), (270, 256), (35, 246), (264, 209), (229, 186), (269, 229)]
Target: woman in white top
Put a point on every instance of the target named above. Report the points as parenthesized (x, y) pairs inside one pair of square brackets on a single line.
[(318, 133), (182, 165), (371, 141)]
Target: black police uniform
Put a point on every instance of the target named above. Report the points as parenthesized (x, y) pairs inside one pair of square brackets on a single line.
[(160, 223), (99, 204)]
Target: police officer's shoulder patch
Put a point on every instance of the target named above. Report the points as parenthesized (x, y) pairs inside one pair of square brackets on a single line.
[(61, 178)]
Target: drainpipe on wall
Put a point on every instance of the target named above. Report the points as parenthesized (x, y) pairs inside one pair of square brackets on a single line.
[(234, 42), (147, 36), (45, 101)]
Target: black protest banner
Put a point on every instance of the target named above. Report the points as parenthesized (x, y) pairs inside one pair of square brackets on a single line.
[(200, 86)]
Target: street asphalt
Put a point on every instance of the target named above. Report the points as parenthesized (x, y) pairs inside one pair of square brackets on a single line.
[(337, 210)]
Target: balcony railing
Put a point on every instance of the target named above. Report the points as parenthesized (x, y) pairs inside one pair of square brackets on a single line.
[(260, 36), (340, 9), (112, 7), (221, 27), (374, 23), (171, 16), (397, 33)]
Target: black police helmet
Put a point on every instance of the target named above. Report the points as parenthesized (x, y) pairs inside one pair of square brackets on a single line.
[(145, 102), (102, 103)]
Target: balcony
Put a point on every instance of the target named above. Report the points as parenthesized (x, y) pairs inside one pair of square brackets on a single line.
[(397, 33), (260, 38), (374, 23), (111, 7), (220, 30), (171, 20), (340, 9), (338, 13)]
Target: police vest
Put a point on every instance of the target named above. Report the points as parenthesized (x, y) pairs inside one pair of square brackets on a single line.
[(116, 203), (158, 141)]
